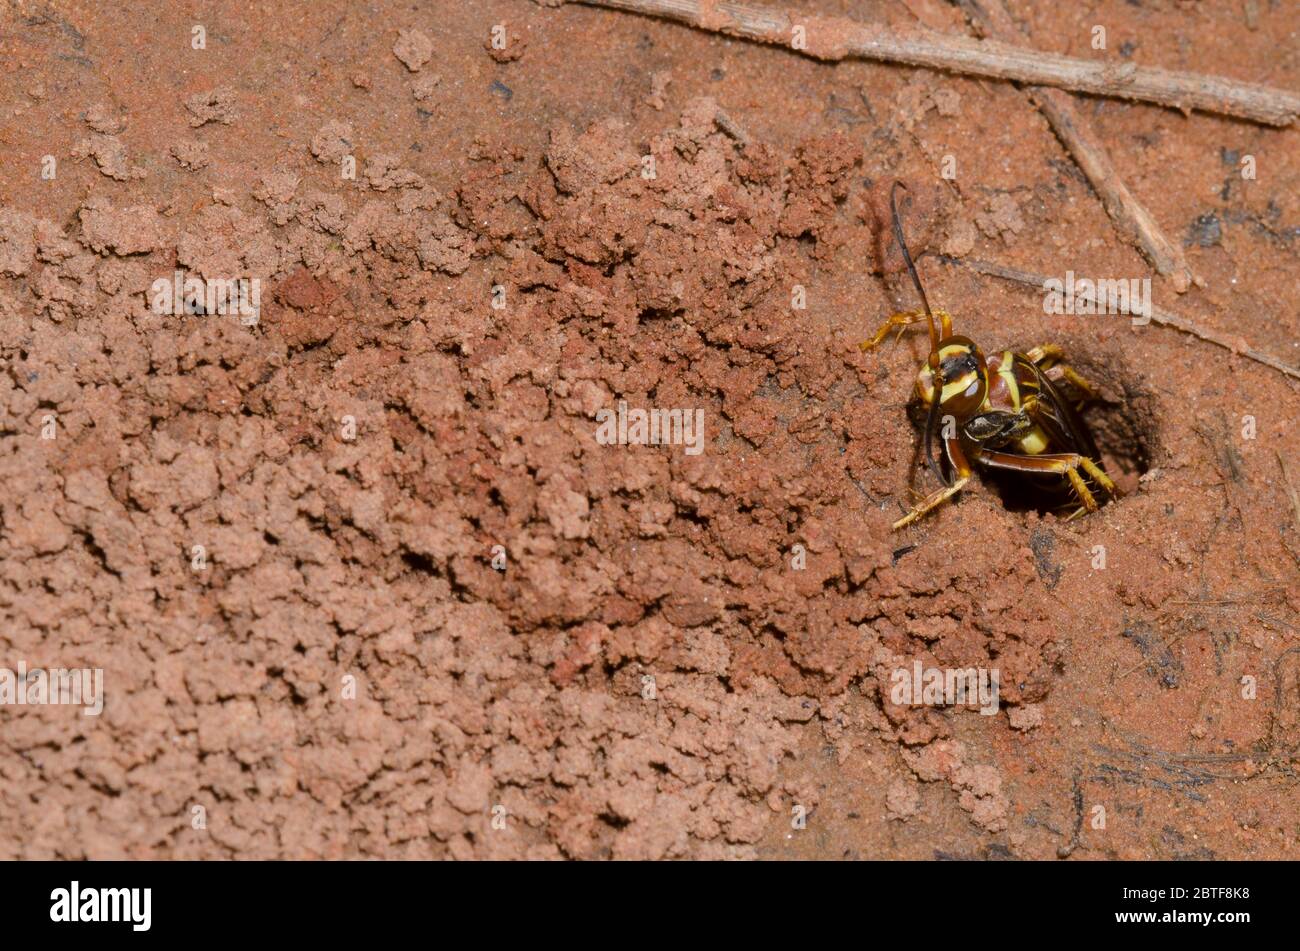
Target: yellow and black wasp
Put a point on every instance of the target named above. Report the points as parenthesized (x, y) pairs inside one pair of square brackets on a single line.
[(1004, 412)]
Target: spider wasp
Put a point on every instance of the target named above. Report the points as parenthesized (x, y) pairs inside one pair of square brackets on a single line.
[(1004, 412)]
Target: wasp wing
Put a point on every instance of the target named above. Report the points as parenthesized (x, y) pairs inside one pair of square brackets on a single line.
[(1052, 411)]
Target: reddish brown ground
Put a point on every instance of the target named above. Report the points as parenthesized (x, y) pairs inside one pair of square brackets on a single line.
[(523, 693)]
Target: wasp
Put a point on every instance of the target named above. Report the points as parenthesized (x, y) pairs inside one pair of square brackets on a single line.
[(1004, 412)]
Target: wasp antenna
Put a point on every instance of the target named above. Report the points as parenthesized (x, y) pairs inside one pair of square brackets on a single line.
[(911, 266), (933, 416), (931, 424)]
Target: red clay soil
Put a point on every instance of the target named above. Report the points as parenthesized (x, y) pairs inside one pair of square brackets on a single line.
[(645, 671)]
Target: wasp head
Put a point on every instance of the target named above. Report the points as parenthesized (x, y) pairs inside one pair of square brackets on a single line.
[(964, 374)]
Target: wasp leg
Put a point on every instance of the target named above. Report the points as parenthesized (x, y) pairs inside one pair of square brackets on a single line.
[(1050, 358), (963, 472), (902, 320), (1066, 463), (1063, 371), (899, 320), (1099, 476), (1046, 353)]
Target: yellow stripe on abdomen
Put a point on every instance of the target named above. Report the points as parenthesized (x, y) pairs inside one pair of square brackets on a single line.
[(1033, 442)]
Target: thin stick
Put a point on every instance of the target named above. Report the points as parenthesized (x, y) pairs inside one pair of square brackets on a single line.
[(837, 38), (1290, 487), (1158, 316), (731, 128), (1131, 219)]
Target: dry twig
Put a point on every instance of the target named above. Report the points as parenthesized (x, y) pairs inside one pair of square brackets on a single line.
[(1290, 488), (1133, 221), (837, 38)]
